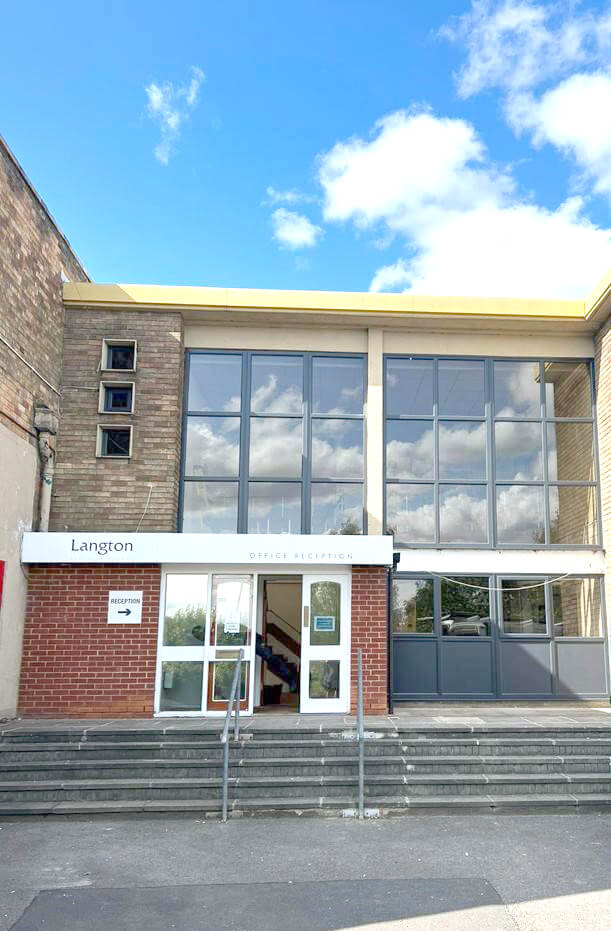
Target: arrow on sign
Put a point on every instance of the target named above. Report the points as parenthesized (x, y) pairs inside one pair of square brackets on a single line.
[(127, 611)]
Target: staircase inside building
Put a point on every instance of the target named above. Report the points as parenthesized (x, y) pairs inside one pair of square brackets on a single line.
[(70, 770)]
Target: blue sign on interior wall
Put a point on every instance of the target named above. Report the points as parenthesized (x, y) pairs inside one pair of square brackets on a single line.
[(324, 622)]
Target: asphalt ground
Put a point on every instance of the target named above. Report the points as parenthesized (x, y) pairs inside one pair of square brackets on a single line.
[(421, 872)]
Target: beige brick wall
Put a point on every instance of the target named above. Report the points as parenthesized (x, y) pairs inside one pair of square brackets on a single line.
[(603, 421), (111, 494)]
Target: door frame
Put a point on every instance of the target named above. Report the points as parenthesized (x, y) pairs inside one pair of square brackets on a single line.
[(339, 652)]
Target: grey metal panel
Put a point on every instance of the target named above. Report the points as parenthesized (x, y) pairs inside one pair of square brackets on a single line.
[(466, 667), (581, 667), (414, 666), (525, 668)]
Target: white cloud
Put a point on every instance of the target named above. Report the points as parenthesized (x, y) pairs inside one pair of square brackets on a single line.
[(169, 106), (294, 231), (466, 230), (517, 44), (522, 48), (287, 197), (574, 116)]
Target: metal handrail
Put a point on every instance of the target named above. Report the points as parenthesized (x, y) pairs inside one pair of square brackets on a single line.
[(360, 731), (234, 695)]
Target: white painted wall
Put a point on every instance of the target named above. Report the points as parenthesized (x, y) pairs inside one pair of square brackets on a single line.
[(19, 469), (500, 562)]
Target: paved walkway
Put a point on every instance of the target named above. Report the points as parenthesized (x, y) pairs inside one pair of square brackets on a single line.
[(531, 716)]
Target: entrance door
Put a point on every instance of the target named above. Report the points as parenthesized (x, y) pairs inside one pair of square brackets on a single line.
[(325, 644)]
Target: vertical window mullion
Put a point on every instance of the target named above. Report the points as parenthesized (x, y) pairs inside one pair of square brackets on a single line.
[(306, 468), (490, 446), (436, 496), (546, 507), (183, 441), (244, 444)]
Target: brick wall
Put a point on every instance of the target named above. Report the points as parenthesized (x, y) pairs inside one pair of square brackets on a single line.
[(33, 254), (74, 662), (111, 494), (369, 632)]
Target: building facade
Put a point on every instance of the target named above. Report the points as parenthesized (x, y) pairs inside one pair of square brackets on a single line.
[(299, 475), (35, 258)]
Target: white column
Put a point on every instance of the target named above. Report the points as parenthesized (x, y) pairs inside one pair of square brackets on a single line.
[(375, 431)]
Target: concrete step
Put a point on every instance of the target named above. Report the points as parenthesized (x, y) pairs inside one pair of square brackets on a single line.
[(288, 786), (315, 805), (299, 766)]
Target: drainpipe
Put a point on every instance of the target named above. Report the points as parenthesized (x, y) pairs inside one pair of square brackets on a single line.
[(46, 423), (391, 572)]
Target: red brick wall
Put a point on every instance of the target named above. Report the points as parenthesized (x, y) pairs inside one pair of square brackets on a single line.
[(369, 632), (74, 662)]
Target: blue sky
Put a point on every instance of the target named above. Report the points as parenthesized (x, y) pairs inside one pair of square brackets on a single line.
[(454, 147)]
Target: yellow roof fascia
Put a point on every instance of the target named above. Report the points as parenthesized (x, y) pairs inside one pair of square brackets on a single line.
[(165, 296), (598, 301)]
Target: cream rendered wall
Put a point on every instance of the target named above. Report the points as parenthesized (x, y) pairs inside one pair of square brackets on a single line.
[(488, 343), (19, 469), (292, 338)]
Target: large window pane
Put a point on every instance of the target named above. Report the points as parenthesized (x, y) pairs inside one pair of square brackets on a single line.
[(461, 387), (463, 514), (519, 514), (577, 608), (274, 507), (465, 611), (462, 450), (410, 514), (409, 449), (570, 452), (213, 446), (277, 385), (568, 392), (181, 686), (276, 447), (517, 391), (337, 448), (572, 511), (210, 507), (186, 598), (337, 508), (412, 606), (337, 385), (215, 382), (231, 610), (409, 386), (523, 603), (519, 451)]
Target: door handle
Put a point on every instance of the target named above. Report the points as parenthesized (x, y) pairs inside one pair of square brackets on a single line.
[(306, 615)]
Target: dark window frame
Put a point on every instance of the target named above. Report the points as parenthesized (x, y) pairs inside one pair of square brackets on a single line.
[(102, 445), (243, 479), (490, 483), (107, 387)]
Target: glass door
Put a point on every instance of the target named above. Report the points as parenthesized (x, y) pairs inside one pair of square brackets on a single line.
[(325, 644), (231, 615), (181, 653)]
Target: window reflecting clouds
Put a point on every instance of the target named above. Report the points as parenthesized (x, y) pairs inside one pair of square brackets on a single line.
[(462, 450), (517, 389), (409, 449), (277, 385), (274, 507), (409, 386), (337, 508), (213, 446), (210, 507), (410, 514), (215, 382), (519, 451), (337, 448), (462, 387), (276, 447), (337, 385), (463, 514), (519, 514)]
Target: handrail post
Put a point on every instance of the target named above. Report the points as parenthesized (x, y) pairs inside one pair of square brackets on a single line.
[(360, 732), (234, 695)]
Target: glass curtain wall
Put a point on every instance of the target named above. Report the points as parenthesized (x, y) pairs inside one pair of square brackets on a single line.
[(490, 453), (273, 443)]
